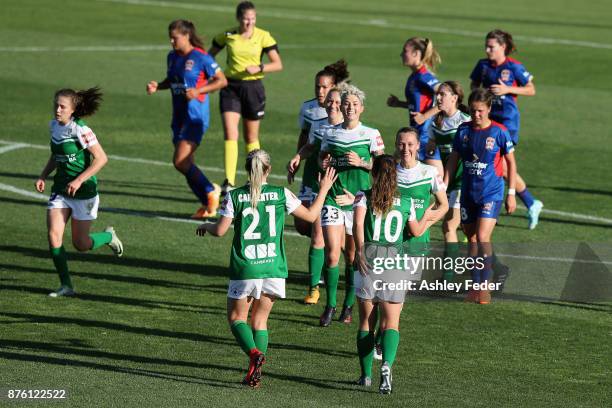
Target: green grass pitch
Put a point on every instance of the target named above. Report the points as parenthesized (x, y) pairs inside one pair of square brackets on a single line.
[(149, 329)]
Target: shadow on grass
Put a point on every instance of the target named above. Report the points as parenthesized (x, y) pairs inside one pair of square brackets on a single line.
[(76, 351), (127, 262), (64, 321), (163, 283)]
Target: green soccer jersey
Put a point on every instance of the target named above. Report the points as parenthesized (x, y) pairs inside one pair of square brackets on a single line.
[(258, 250), (387, 228), (310, 178), (419, 183), (338, 141), (444, 134), (69, 144)]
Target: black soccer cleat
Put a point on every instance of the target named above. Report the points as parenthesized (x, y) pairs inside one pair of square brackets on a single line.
[(327, 316)]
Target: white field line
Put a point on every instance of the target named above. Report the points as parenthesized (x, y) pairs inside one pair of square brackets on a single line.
[(17, 145), (151, 47), (13, 146), (43, 197), (382, 23)]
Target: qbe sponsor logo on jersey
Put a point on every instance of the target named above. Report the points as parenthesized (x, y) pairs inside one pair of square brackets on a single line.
[(260, 251), (490, 143)]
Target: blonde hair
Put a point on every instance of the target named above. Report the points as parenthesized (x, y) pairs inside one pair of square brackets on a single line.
[(257, 166), (429, 55), (349, 89)]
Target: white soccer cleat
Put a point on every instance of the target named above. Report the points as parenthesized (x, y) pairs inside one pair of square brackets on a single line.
[(534, 213), (385, 379), (63, 291), (116, 245), (378, 352)]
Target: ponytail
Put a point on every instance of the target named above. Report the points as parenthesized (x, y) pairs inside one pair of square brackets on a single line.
[(503, 38), (257, 167), (85, 102), (384, 188), (338, 72), (186, 27), (429, 55)]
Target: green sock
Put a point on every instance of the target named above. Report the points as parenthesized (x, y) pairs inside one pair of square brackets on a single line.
[(332, 274), (451, 250), (390, 342), (100, 238), (365, 350), (316, 260), (349, 288), (261, 340), (243, 334), (61, 265)]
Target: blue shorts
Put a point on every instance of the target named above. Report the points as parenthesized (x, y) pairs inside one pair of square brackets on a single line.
[(471, 211), (189, 130)]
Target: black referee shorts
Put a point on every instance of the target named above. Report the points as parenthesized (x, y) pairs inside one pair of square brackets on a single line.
[(245, 97)]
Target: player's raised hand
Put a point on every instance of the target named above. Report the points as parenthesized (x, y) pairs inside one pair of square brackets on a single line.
[(152, 87), (328, 179)]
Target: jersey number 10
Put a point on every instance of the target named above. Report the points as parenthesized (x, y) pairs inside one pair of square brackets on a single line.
[(389, 237)]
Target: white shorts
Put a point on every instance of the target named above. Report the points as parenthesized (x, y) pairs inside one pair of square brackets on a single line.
[(454, 199), (82, 210), (306, 194), (239, 289), (331, 215)]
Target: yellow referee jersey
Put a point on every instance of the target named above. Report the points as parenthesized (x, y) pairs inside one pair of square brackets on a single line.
[(242, 52)]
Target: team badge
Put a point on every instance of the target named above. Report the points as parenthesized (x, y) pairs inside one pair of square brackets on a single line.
[(188, 65), (490, 143), (487, 207), (505, 75)]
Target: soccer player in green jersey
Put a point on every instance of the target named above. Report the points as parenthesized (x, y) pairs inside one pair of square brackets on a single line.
[(76, 158), (348, 148), (310, 151), (258, 265), (380, 216), (449, 99)]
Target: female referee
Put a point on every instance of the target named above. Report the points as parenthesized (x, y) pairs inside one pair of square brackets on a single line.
[(192, 75), (76, 158), (507, 78), (482, 144), (245, 96), (258, 265)]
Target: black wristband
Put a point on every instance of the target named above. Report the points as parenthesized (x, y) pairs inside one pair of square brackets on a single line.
[(261, 67)]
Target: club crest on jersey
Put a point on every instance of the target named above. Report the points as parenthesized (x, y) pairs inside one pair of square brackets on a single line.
[(490, 143), (189, 65), (505, 75)]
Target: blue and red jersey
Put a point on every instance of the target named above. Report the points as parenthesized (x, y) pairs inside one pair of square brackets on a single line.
[(190, 71), (481, 151), (420, 94), (512, 73)]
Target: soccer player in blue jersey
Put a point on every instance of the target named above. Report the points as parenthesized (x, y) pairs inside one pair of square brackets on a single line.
[(482, 144), (507, 78), (192, 74), (421, 57)]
